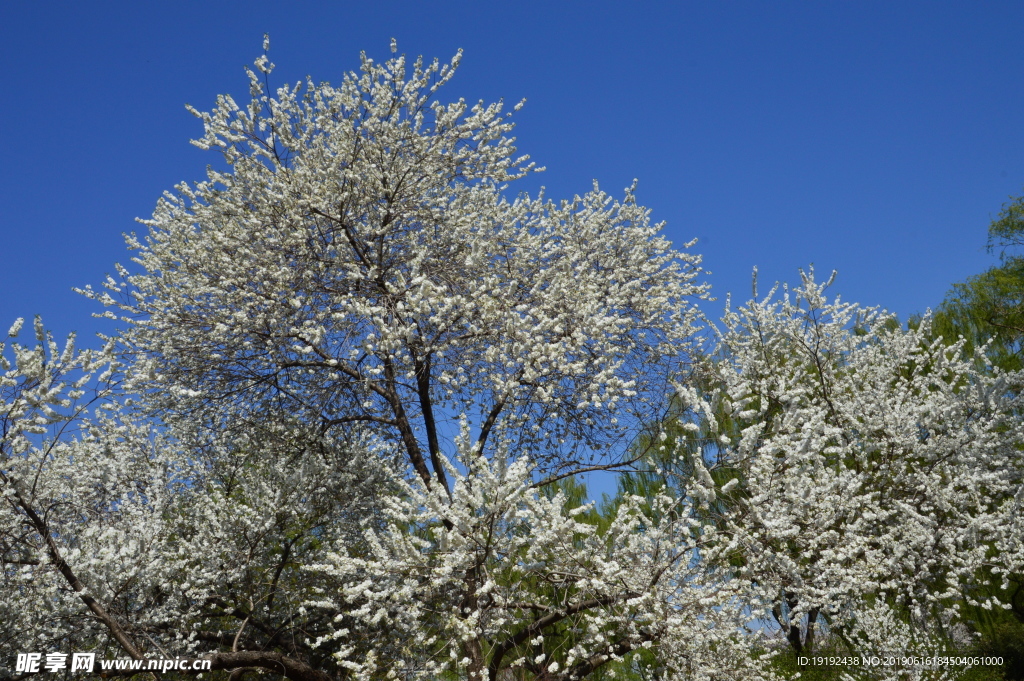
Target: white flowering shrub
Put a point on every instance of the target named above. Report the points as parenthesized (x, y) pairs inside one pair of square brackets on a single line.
[(870, 461)]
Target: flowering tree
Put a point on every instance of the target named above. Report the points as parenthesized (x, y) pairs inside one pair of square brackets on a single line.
[(871, 463), (358, 267)]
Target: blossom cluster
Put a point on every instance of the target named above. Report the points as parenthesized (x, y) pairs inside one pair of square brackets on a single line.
[(874, 465)]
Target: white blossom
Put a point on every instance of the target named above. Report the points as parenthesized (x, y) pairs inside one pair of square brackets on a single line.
[(502, 576), (871, 463)]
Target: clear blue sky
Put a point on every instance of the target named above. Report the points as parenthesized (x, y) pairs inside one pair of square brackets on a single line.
[(876, 138)]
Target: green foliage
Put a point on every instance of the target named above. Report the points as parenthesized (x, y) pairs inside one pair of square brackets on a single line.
[(989, 307), (1008, 229), (1006, 640)]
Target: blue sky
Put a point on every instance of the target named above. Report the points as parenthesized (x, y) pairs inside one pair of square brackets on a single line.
[(876, 138)]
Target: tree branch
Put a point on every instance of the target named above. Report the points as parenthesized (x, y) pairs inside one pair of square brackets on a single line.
[(57, 560), (548, 620)]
